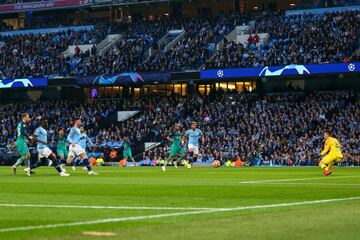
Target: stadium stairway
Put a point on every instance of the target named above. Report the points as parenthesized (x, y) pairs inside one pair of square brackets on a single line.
[(70, 51), (122, 116), (238, 30), (170, 39), (108, 42), (167, 42), (243, 38), (234, 35)]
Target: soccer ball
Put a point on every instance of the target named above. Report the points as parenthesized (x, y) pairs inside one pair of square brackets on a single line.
[(216, 164), (122, 163)]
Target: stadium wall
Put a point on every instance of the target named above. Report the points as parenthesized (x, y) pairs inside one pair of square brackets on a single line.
[(67, 87)]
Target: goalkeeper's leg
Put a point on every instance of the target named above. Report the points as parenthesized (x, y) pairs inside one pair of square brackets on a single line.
[(323, 166), (326, 163), (336, 161)]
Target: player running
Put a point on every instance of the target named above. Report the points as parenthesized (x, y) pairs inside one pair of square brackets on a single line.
[(176, 147), (331, 153), (61, 150), (21, 145), (75, 150), (193, 135), (44, 151), (127, 151), (83, 143)]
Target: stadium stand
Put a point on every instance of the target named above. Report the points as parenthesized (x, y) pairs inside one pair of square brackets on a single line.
[(58, 113), (271, 130), (277, 129), (41, 55), (130, 51), (295, 39), (264, 136), (196, 46)]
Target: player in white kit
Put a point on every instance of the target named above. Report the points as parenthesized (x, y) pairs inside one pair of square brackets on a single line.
[(193, 135), (75, 150), (84, 139), (44, 151)]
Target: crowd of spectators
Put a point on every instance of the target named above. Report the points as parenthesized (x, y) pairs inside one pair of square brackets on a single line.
[(282, 129), (41, 55), (197, 45), (59, 115), (38, 55), (129, 53), (126, 55), (98, 118), (273, 130), (298, 39)]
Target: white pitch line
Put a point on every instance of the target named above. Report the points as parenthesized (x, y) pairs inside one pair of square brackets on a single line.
[(103, 207), (312, 183), (296, 179), (146, 217)]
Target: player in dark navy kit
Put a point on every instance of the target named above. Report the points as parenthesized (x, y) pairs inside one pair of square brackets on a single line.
[(176, 149)]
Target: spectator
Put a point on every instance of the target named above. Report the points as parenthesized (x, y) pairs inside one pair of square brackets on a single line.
[(77, 50), (299, 39)]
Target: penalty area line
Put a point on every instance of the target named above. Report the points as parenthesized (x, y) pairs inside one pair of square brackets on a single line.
[(312, 183), (295, 179), (104, 207), (157, 216)]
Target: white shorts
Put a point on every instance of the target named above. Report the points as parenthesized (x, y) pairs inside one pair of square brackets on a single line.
[(193, 148), (75, 151), (44, 153)]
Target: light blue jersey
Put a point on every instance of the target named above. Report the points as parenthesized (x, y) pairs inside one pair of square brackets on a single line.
[(194, 136), (83, 140), (41, 134), (74, 135)]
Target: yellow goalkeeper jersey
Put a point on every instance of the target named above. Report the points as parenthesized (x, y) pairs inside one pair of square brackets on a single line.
[(332, 147)]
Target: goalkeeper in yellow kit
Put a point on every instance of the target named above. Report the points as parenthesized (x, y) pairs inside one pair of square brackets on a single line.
[(331, 153)]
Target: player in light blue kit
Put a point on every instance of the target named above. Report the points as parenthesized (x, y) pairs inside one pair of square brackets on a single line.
[(83, 142), (75, 150), (44, 151), (193, 135)]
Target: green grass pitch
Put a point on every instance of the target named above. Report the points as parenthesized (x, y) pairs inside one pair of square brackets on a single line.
[(201, 203)]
